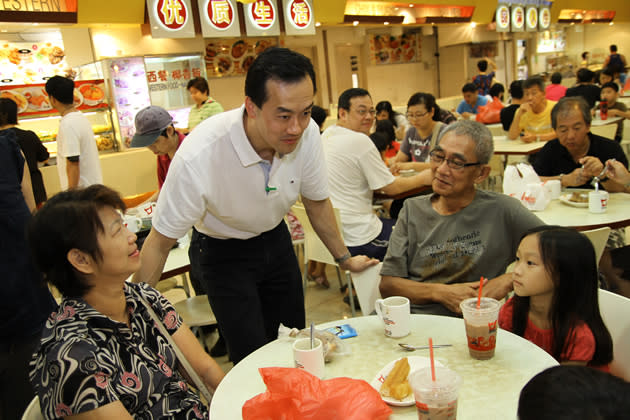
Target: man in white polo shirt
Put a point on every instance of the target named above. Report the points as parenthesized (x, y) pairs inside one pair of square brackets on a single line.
[(356, 170), (234, 179)]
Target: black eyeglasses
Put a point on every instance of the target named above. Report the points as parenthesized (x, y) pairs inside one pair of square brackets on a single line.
[(437, 157)]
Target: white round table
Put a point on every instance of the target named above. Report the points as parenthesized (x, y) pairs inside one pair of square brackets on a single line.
[(490, 388), (616, 216)]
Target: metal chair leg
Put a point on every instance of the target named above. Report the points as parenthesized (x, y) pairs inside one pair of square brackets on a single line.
[(350, 294), (339, 277)]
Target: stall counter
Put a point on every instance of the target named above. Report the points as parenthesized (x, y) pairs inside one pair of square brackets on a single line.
[(129, 172)]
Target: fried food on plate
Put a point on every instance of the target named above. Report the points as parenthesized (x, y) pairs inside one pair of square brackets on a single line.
[(396, 384)]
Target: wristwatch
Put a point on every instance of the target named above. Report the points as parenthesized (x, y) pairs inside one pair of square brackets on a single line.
[(343, 258)]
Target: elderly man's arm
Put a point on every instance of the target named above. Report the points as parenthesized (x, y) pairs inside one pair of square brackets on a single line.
[(449, 295), (498, 287), (153, 257), (402, 184), (322, 217)]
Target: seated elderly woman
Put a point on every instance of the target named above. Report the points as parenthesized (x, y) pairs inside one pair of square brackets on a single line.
[(101, 355)]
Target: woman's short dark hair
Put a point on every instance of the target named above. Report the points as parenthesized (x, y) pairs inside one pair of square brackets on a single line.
[(584, 54), (421, 98), (61, 88), (8, 111), (279, 64), (67, 221), (200, 84), (556, 78), (386, 127)]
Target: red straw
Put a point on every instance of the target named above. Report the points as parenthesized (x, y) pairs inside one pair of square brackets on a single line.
[(480, 289), (432, 359)]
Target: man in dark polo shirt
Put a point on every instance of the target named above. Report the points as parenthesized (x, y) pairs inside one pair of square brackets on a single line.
[(577, 155)]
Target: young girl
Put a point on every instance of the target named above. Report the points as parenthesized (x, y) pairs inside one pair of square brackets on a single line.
[(555, 301)]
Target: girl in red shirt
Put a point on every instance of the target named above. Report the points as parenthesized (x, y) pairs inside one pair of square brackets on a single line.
[(555, 301)]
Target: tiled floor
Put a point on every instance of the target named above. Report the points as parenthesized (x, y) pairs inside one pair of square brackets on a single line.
[(321, 305)]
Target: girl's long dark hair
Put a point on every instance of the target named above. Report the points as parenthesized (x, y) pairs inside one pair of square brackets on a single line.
[(569, 258), (387, 106)]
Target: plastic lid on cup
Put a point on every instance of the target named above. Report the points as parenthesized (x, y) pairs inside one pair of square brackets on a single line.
[(487, 305), (446, 384)]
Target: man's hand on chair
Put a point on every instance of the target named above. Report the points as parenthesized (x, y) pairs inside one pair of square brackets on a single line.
[(358, 263)]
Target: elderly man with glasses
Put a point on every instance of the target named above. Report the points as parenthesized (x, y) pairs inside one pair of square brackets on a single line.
[(356, 170), (444, 242)]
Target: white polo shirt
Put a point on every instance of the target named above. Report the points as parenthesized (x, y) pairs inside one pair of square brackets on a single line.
[(355, 170), (216, 182), (76, 138)]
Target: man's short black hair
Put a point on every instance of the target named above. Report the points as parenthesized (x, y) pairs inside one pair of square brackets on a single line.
[(614, 86), (279, 64), (585, 75), (61, 88), (318, 114), (348, 94), (534, 81), (556, 78), (613, 48), (482, 65), (200, 84), (516, 89), (496, 90), (469, 87)]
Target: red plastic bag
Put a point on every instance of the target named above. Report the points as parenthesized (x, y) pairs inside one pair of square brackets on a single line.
[(294, 394), (490, 113)]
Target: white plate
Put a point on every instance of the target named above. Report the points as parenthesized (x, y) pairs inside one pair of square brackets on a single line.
[(565, 199), (415, 363)]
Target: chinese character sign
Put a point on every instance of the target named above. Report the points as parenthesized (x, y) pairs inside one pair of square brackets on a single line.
[(219, 18), (171, 19), (261, 18), (172, 13), (503, 18), (298, 17)]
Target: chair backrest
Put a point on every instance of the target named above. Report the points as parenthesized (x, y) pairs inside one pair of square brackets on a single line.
[(314, 248), (615, 310), (366, 284), (607, 130), (33, 411), (598, 237)]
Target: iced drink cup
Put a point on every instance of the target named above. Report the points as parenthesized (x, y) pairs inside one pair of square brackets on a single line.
[(481, 326), (435, 400)]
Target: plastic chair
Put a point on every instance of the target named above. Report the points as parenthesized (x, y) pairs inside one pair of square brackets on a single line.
[(366, 283), (607, 130), (315, 250), (196, 312), (614, 309), (33, 411), (598, 237), (135, 200)]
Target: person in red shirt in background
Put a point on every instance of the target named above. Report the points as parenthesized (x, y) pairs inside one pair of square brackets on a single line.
[(555, 90), (155, 130)]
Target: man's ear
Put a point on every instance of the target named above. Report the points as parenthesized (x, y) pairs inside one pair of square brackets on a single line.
[(251, 108), (343, 114), (483, 174), (81, 261)]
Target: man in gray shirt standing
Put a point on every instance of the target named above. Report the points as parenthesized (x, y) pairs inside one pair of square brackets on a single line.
[(443, 243)]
